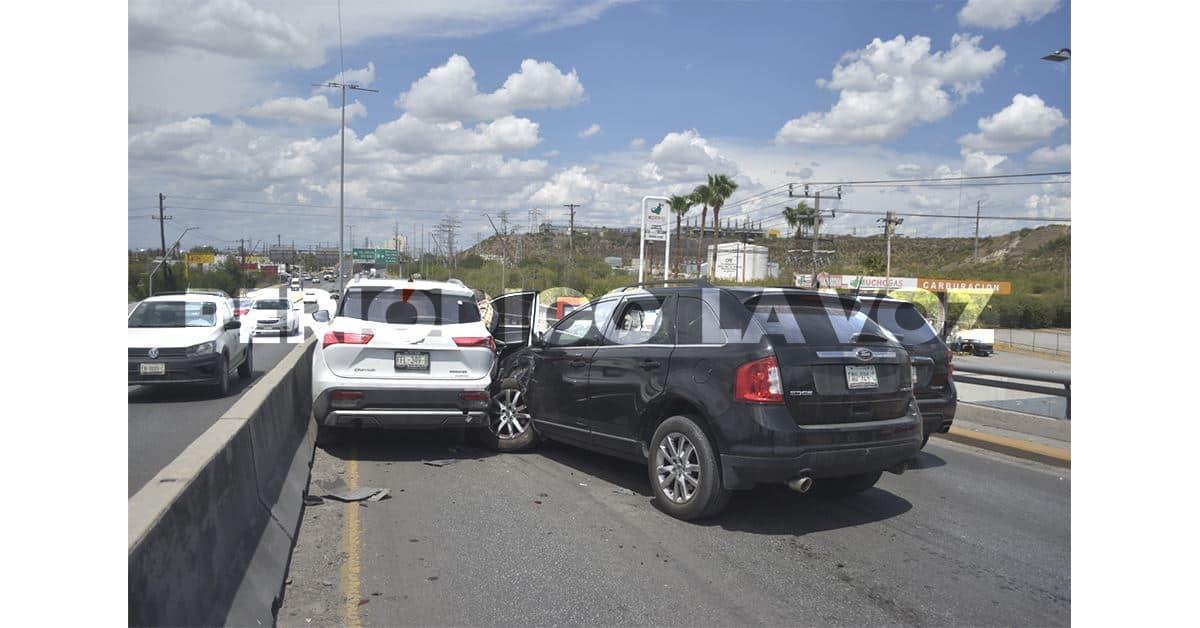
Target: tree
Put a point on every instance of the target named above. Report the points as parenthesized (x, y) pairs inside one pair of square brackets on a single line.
[(799, 218), (680, 206), (702, 195), (722, 187)]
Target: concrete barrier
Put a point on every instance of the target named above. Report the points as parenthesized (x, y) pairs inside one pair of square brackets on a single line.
[(211, 535)]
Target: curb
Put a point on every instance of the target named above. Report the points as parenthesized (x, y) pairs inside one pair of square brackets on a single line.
[(1022, 449)]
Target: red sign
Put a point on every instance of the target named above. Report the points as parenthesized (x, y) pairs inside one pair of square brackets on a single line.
[(269, 271), (250, 266)]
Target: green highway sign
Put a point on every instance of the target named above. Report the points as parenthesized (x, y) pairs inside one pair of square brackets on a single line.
[(375, 256), (364, 256)]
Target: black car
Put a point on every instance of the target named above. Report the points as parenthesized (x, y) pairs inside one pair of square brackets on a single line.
[(933, 362), (714, 388)]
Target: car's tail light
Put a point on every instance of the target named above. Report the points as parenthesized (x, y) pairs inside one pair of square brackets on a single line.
[(345, 398), (476, 341), (759, 382), (949, 363), (477, 395), (241, 312), (345, 337)]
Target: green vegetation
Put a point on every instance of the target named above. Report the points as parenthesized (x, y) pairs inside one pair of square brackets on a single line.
[(228, 277)]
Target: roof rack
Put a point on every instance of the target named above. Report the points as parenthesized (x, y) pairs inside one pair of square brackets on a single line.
[(703, 283), (215, 293)]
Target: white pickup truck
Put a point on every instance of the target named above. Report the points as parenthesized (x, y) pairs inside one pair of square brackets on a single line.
[(979, 342)]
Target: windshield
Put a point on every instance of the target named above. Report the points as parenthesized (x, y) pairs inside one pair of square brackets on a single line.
[(408, 307), (174, 314), (272, 304), (903, 320)]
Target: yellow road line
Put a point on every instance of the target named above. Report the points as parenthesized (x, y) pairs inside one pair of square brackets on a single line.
[(351, 540), (1055, 453)]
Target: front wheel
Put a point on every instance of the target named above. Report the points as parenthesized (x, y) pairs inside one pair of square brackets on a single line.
[(510, 425), (685, 471), (221, 386)]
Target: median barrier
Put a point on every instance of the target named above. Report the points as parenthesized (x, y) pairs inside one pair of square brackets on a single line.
[(211, 535)]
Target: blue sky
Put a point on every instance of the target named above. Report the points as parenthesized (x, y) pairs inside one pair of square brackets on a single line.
[(705, 86)]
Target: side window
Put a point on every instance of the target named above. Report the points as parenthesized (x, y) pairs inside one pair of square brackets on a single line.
[(642, 320), (583, 327), (696, 324)]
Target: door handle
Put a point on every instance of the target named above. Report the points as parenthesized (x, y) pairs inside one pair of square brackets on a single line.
[(577, 361), (650, 365)]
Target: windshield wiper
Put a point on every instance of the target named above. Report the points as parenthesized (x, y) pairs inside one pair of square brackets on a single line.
[(867, 336)]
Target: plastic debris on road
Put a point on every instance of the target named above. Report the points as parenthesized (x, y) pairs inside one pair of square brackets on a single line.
[(438, 463), (339, 491)]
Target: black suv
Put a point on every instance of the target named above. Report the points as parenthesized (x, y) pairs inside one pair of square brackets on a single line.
[(714, 388), (933, 362)]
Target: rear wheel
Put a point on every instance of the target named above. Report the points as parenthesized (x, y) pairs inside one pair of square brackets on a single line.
[(685, 471), (510, 425), (846, 486)]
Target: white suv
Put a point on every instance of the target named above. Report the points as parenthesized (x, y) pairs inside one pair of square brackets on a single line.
[(186, 339), (403, 354)]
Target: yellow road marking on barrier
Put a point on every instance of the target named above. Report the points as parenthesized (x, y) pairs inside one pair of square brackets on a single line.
[(1012, 443), (351, 539)]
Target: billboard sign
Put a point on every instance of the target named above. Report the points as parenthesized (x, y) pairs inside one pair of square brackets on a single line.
[(656, 221), (949, 285), (200, 258)]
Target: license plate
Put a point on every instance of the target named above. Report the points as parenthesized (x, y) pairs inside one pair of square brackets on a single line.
[(412, 360), (153, 368), (859, 377)]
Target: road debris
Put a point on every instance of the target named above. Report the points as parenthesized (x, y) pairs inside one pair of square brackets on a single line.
[(312, 500), (623, 491), (438, 463), (339, 491)]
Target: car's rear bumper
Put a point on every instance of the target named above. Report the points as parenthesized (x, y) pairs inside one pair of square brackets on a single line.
[(938, 414), (406, 408), (187, 370), (781, 450)]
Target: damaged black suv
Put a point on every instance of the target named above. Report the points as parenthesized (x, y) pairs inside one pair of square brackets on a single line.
[(715, 389)]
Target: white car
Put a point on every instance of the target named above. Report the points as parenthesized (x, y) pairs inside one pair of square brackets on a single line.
[(275, 315), (402, 354), (186, 339), (295, 284)]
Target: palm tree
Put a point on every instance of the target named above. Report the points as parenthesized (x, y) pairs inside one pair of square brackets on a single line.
[(801, 218), (722, 187), (680, 205), (702, 195)]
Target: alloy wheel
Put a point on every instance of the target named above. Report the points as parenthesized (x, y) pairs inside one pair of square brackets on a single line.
[(510, 416), (678, 466)]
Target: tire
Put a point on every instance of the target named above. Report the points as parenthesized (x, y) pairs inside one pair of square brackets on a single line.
[(679, 440), (924, 441), (510, 426), (221, 386), (846, 486), (246, 369)]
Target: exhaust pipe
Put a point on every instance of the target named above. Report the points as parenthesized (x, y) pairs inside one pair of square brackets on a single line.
[(800, 484)]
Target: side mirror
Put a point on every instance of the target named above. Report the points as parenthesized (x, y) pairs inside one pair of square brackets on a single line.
[(539, 339), (234, 324), (334, 297), (321, 316)]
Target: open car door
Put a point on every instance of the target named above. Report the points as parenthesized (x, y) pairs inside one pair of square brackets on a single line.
[(512, 320)]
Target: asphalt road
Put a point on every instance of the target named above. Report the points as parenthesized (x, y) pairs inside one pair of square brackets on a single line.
[(565, 536)]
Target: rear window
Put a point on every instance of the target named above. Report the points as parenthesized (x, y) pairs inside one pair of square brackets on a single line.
[(399, 306), (823, 320), (904, 320), (271, 304)]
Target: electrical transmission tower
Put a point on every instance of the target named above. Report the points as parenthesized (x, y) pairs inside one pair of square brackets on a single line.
[(889, 229)]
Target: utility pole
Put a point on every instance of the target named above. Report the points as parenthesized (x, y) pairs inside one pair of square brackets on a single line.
[(816, 235), (571, 240), (162, 232), (977, 204), (889, 229)]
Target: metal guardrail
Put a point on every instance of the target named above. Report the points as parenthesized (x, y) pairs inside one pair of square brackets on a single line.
[(1064, 381)]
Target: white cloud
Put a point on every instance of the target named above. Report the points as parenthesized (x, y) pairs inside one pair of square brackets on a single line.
[(551, 153), (591, 131), (688, 154), (449, 92), (1051, 156), (638, 143), (411, 135), (1002, 14), (890, 86), (314, 110), (225, 27), (170, 137), (573, 185), (1025, 122), (906, 171), (803, 173), (981, 164)]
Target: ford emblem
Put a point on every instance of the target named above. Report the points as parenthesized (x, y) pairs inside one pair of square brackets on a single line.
[(864, 354), (153, 352)]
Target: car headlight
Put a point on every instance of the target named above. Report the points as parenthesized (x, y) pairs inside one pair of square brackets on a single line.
[(202, 348)]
